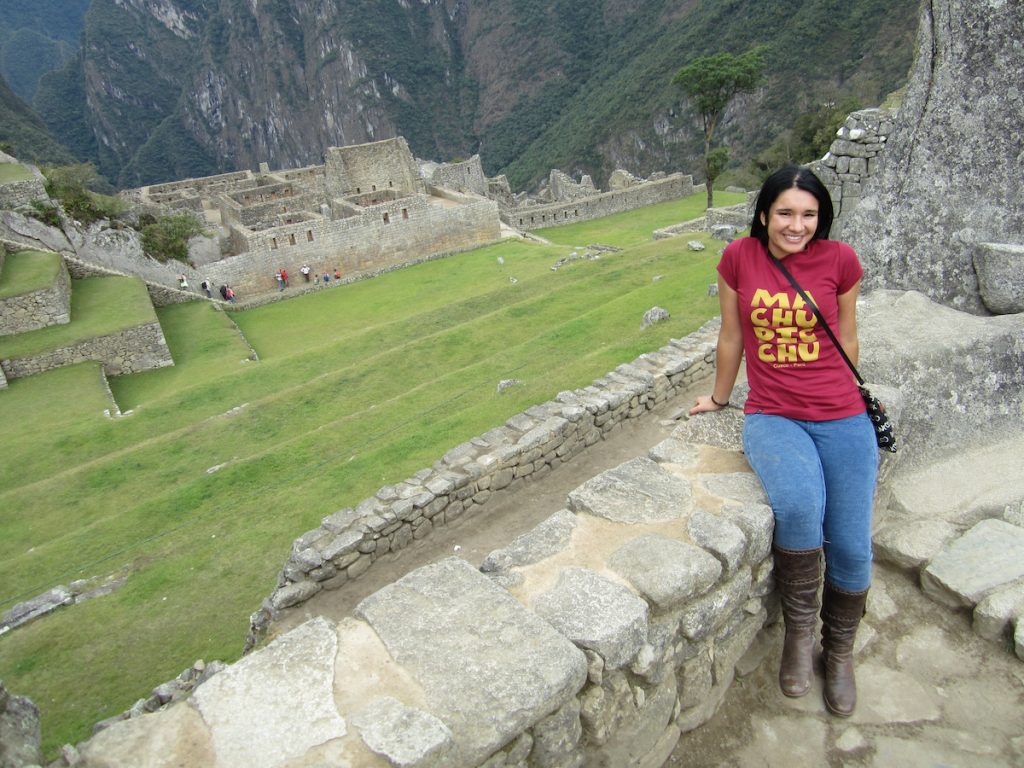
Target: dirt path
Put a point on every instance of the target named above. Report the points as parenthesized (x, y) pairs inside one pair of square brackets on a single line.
[(508, 514)]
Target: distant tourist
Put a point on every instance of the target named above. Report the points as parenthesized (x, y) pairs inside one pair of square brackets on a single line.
[(230, 295), (205, 285), (284, 276), (327, 278), (805, 433), (337, 274), (280, 280), (182, 283), (223, 292), (304, 269)]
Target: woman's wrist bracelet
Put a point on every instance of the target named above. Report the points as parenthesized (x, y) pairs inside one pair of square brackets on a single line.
[(720, 405)]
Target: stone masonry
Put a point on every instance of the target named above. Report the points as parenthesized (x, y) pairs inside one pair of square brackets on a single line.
[(527, 445), (47, 305), (129, 351)]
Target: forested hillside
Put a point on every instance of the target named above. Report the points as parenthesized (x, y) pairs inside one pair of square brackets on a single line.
[(163, 89)]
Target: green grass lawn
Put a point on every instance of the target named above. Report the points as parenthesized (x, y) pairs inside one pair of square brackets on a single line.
[(14, 172), (198, 494), (27, 271), (99, 306)]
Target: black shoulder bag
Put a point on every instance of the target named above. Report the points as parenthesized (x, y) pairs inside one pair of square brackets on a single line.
[(876, 411)]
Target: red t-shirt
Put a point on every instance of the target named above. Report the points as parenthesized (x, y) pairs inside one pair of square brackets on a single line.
[(793, 368)]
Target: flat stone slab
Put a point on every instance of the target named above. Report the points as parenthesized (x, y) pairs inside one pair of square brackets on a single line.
[(637, 491), (548, 538), (407, 737), (488, 667), (286, 692), (999, 612), (736, 486), (722, 429), (912, 544), (886, 696), (596, 614), (665, 571), (981, 561), (38, 606)]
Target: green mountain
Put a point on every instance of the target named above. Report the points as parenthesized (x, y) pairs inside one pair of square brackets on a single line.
[(168, 88), (24, 135), (36, 37)]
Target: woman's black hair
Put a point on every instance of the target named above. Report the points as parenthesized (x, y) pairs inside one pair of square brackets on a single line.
[(788, 177)]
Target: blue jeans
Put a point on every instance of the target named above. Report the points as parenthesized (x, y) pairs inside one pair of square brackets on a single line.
[(820, 479)]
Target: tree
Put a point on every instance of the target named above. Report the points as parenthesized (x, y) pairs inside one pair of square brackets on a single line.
[(711, 82)]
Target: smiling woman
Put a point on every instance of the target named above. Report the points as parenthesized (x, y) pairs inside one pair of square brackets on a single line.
[(806, 433)]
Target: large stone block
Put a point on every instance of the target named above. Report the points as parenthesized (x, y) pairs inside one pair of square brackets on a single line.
[(488, 667), (286, 691), (1000, 269), (637, 491), (596, 614), (989, 556), (665, 571)]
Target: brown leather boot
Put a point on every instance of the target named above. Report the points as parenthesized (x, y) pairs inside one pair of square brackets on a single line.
[(798, 576), (841, 613)]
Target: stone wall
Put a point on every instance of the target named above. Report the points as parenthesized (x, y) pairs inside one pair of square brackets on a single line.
[(393, 232), (50, 305), (129, 351), (461, 483), (852, 159), (604, 204), (14, 194), (379, 165), (467, 176)]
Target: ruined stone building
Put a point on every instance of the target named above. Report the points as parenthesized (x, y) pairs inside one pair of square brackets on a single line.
[(373, 206)]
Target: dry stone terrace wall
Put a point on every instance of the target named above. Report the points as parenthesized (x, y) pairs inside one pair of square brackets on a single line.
[(129, 351), (529, 444), (37, 309), (604, 204), (17, 193)]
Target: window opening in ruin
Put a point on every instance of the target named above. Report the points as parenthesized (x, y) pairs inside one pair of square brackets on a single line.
[(358, 191), (309, 235), (390, 184), (373, 187), (273, 243), (291, 239), (405, 213), (387, 219), (520, 222)]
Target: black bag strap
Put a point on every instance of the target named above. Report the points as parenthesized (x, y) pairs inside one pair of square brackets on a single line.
[(817, 313)]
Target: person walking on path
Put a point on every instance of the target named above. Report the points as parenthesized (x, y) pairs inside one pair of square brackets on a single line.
[(805, 433), (284, 276)]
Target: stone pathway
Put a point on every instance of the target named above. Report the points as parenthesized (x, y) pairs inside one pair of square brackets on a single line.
[(931, 693)]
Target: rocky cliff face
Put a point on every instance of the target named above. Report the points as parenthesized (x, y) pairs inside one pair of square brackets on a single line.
[(950, 180)]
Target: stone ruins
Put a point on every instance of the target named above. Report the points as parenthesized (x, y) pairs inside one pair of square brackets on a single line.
[(373, 206)]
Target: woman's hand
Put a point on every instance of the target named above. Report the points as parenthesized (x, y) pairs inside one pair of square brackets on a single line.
[(706, 404)]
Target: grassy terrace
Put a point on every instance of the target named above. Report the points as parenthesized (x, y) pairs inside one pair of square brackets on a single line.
[(10, 172), (99, 306), (27, 271), (198, 494)]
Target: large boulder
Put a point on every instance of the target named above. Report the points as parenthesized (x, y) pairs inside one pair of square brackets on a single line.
[(961, 376), (950, 176), (19, 731)]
